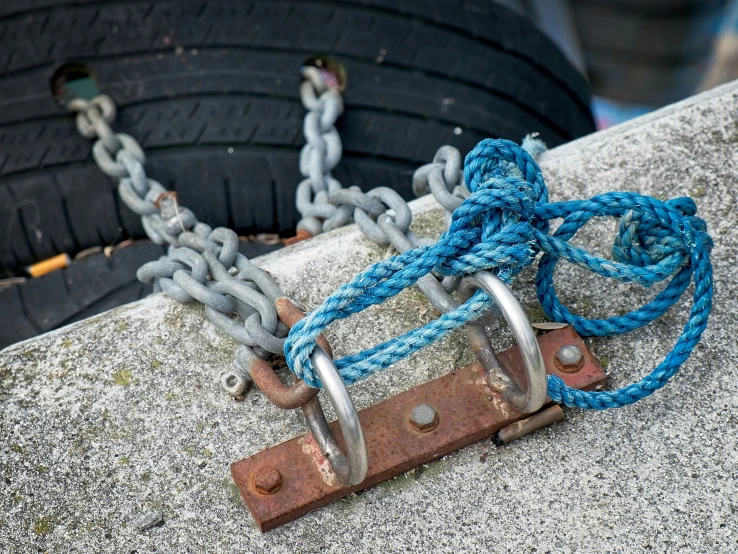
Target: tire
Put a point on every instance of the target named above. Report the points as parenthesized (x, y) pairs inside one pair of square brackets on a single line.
[(642, 83), (657, 38), (648, 52), (87, 287), (210, 89)]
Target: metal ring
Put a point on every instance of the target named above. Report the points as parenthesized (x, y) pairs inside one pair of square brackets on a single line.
[(390, 198), (263, 336), (526, 393), (307, 203), (115, 168), (439, 297), (105, 133), (151, 226), (265, 282), (450, 160), (203, 293), (103, 105), (230, 327), (350, 468), (163, 267), (139, 205), (257, 300), (106, 105), (311, 87), (355, 198), (439, 189)]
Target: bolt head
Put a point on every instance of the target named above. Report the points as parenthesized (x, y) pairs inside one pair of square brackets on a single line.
[(267, 480), (424, 418), (569, 358)]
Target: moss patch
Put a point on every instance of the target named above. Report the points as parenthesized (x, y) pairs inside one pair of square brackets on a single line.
[(233, 493), (536, 314), (123, 377), (45, 525)]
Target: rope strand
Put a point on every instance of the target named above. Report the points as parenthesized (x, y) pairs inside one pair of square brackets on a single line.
[(501, 227)]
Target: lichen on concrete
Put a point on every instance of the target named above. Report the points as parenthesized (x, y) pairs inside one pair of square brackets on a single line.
[(120, 416)]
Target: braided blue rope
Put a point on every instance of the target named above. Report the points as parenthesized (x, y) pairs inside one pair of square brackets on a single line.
[(501, 227)]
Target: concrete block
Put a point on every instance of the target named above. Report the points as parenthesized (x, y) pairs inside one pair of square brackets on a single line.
[(121, 416)]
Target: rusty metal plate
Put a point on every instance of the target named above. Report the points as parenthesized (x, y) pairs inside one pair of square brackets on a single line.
[(469, 411)]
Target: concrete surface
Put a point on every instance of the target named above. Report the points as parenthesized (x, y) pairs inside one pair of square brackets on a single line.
[(112, 421)]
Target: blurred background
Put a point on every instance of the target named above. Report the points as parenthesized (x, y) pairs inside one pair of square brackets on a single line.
[(639, 55)]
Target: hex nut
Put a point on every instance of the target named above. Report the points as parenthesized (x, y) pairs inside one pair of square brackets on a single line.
[(569, 358), (267, 480), (236, 382), (424, 418)]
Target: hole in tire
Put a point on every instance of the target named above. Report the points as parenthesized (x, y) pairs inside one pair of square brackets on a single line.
[(69, 72), (326, 64)]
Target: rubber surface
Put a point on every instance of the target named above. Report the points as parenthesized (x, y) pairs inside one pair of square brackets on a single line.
[(647, 52), (87, 287), (210, 89)]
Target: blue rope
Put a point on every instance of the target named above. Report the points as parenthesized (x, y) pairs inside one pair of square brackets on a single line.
[(501, 227)]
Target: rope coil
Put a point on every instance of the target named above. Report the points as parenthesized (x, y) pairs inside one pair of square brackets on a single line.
[(501, 227)]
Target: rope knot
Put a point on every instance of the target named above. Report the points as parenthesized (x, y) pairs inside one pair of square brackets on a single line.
[(494, 227), (501, 227), (644, 240)]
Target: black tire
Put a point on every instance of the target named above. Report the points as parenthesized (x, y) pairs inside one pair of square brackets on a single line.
[(650, 52), (640, 82), (210, 89), (87, 287)]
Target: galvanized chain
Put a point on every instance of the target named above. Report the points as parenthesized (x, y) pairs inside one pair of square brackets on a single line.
[(202, 263), (381, 214), (385, 217), (444, 179), (321, 200), (321, 153)]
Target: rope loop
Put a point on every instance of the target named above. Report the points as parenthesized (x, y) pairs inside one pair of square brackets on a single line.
[(502, 226)]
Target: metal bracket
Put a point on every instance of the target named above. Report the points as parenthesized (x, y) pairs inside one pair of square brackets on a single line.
[(281, 483)]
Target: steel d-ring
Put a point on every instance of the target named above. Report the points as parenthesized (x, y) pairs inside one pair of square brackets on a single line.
[(350, 468), (526, 392)]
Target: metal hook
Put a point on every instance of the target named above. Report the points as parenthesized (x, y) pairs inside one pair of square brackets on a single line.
[(350, 468), (526, 393)]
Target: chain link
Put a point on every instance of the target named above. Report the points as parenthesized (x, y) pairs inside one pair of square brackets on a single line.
[(202, 263), (321, 153)]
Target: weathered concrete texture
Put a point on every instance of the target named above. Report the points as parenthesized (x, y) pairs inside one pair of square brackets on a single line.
[(116, 418)]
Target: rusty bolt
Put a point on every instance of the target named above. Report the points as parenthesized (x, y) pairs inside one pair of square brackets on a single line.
[(267, 480), (569, 358), (424, 418)]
